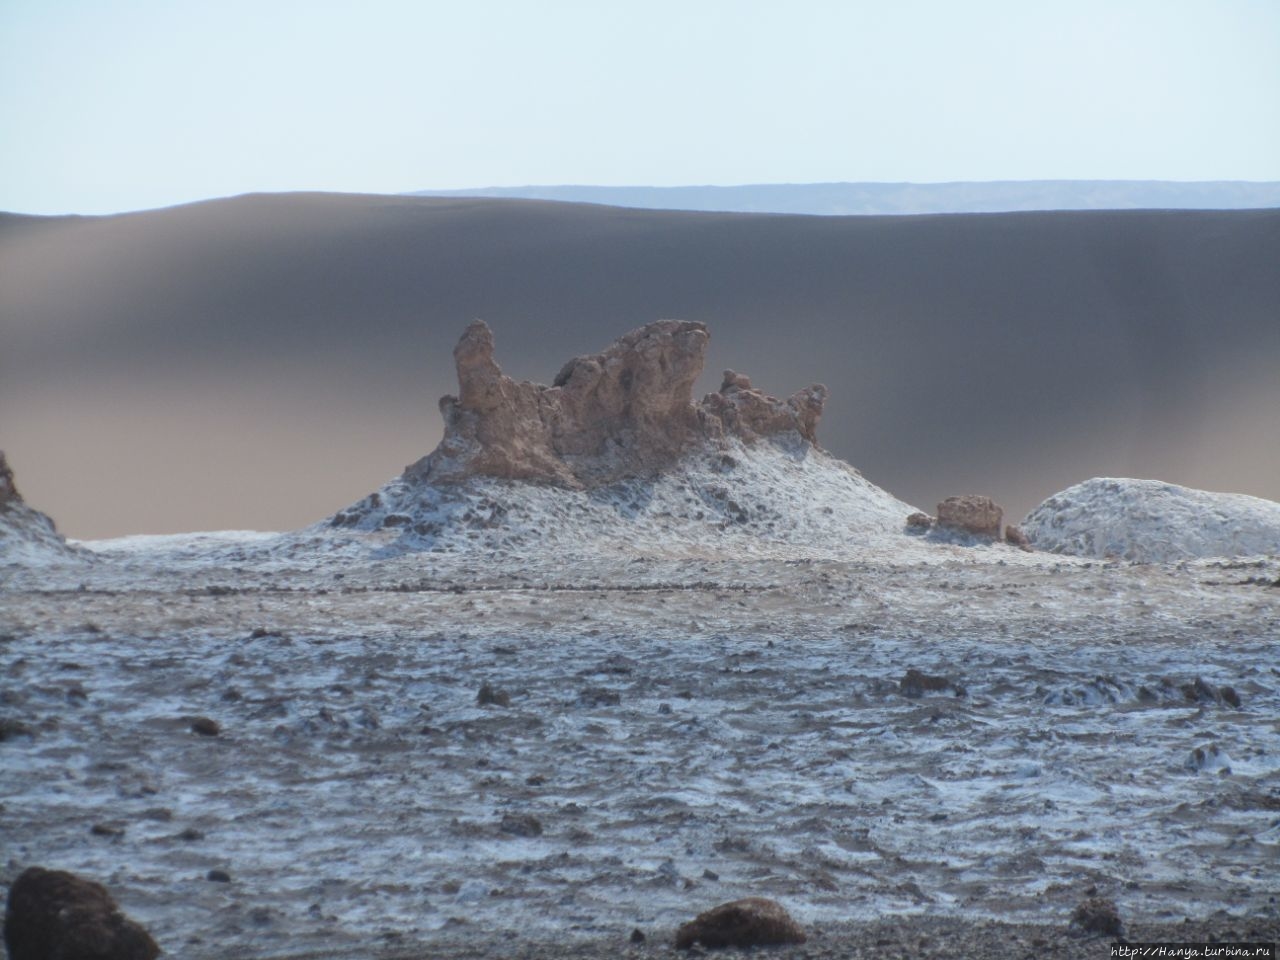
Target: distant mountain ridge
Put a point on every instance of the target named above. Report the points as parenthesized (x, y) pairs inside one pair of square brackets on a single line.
[(865, 199)]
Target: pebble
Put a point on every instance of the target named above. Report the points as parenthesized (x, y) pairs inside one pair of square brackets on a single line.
[(1097, 915), (521, 825), (205, 727), (489, 695), (599, 697)]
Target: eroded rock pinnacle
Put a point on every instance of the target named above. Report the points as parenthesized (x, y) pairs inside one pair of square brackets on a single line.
[(626, 411)]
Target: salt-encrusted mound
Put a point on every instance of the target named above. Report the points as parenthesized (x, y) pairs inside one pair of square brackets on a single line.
[(778, 497), (617, 458), (1153, 522), (26, 535)]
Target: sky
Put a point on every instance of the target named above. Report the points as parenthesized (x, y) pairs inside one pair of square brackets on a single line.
[(133, 104)]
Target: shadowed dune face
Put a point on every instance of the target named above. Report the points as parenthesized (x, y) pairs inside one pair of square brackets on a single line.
[(264, 360)]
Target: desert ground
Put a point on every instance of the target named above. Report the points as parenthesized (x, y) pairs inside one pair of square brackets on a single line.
[(664, 732)]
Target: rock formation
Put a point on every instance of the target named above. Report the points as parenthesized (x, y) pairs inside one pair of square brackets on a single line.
[(615, 457), (745, 411), (970, 516), (751, 922), (25, 534), (979, 516), (8, 492), (54, 915), (627, 411)]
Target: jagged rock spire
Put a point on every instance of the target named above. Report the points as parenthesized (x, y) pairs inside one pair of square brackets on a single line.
[(627, 411)]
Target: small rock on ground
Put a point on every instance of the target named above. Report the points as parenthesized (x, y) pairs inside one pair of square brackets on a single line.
[(205, 727), (489, 695), (1097, 915), (750, 922)]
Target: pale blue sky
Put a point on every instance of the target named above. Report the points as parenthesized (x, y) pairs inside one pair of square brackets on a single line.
[(108, 106)]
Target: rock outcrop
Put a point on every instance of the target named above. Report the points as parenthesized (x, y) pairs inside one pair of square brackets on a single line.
[(26, 534), (969, 518), (979, 516), (8, 492), (746, 412), (750, 922), (55, 915), (625, 412)]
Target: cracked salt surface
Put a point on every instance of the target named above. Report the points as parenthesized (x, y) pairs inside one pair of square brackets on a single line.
[(760, 744)]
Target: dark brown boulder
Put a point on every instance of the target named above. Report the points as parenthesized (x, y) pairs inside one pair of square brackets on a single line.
[(55, 915), (752, 922)]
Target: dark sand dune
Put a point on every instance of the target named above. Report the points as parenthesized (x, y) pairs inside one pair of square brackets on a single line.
[(263, 360)]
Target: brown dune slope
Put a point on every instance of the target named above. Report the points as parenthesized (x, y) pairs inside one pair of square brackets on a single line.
[(262, 360)]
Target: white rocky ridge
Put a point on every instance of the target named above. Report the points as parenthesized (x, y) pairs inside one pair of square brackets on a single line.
[(776, 498), (1148, 521)]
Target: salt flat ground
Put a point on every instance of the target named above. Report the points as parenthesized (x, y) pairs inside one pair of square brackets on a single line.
[(679, 732)]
